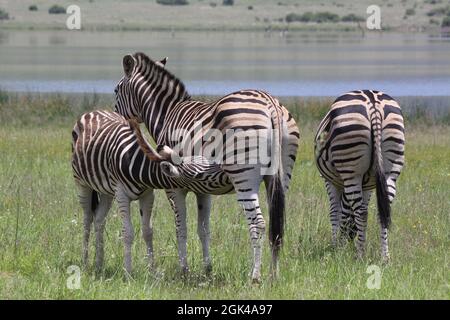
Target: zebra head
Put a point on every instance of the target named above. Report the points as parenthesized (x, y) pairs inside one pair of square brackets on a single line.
[(191, 168), (126, 90)]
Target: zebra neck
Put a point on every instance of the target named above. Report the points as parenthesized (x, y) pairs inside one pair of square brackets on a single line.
[(160, 104)]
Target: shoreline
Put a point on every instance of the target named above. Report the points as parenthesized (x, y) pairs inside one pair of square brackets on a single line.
[(318, 28)]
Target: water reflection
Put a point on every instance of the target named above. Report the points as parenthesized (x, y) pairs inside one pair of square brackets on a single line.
[(297, 63)]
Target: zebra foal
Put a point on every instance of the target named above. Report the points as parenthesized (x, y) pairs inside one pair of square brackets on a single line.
[(359, 146), (110, 158)]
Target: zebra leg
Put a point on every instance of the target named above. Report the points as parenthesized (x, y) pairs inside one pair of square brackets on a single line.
[(359, 206), (177, 199), (353, 202), (334, 194), (146, 205), (347, 221), (257, 226), (123, 202), (391, 182), (85, 198), (204, 210), (99, 225)]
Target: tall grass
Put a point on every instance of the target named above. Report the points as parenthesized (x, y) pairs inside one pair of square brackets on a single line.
[(41, 222), (63, 109)]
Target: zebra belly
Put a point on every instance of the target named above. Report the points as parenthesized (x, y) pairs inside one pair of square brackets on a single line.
[(102, 188)]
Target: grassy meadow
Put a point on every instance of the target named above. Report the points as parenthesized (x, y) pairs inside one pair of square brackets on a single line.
[(405, 15), (41, 222)]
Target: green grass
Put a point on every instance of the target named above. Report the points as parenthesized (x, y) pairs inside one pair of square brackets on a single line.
[(41, 223)]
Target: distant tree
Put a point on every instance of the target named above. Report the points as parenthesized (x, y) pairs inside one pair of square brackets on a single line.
[(228, 2), (446, 22), (318, 17), (438, 11), (33, 7), (326, 17), (173, 2), (3, 14), (56, 9), (410, 12), (291, 17), (352, 18)]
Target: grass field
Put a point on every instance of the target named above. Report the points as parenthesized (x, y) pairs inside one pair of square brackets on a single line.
[(41, 223), (405, 15)]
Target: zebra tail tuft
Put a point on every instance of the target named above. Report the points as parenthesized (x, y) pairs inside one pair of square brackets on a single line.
[(276, 213), (94, 200), (384, 207)]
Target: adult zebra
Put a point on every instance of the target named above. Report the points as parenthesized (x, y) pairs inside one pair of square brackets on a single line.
[(359, 146), (159, 99), (111, 158)]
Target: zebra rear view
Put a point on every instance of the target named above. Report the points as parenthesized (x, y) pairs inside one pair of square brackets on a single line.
[(359, 146)]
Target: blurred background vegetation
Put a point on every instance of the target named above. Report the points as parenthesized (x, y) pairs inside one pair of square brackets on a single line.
[(403, 15)]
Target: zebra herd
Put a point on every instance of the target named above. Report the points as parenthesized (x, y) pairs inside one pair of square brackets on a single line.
[(230, 145)]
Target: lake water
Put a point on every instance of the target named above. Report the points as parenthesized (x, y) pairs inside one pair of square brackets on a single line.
[(293, 64)]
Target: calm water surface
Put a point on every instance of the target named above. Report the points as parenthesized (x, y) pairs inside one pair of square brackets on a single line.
[(296, 64)]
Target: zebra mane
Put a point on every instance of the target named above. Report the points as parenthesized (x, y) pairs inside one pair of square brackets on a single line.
[(144, 61)]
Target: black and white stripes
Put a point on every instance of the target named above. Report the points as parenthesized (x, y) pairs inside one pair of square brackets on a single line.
[(150, 93), (359, 146), (112, 159)]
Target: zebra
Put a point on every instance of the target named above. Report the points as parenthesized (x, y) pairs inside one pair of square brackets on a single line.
[(359, 146), (111, 158), (160, 100)]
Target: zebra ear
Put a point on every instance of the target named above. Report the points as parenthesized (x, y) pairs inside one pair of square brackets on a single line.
[(163, 62), (128, 64)]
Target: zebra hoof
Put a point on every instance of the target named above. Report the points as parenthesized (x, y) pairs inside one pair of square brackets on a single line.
[(256, 277), (208, 268), (184, 270), (386, 259)]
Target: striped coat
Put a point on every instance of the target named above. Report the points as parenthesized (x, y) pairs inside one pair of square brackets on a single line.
[(159, 99), (112, 159), (359, 146)]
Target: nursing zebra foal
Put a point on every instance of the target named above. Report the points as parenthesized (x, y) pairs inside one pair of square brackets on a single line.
[(359, 146), (159, 99), (111, 159)]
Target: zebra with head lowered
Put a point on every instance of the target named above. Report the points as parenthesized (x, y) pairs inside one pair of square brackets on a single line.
[(110, 158), (359, 146), (159, 99)]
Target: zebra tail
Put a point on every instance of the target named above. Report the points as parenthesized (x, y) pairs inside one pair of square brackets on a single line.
[(148, 150), (94, 200), (276, 213), (276, 189), (384, 207)]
